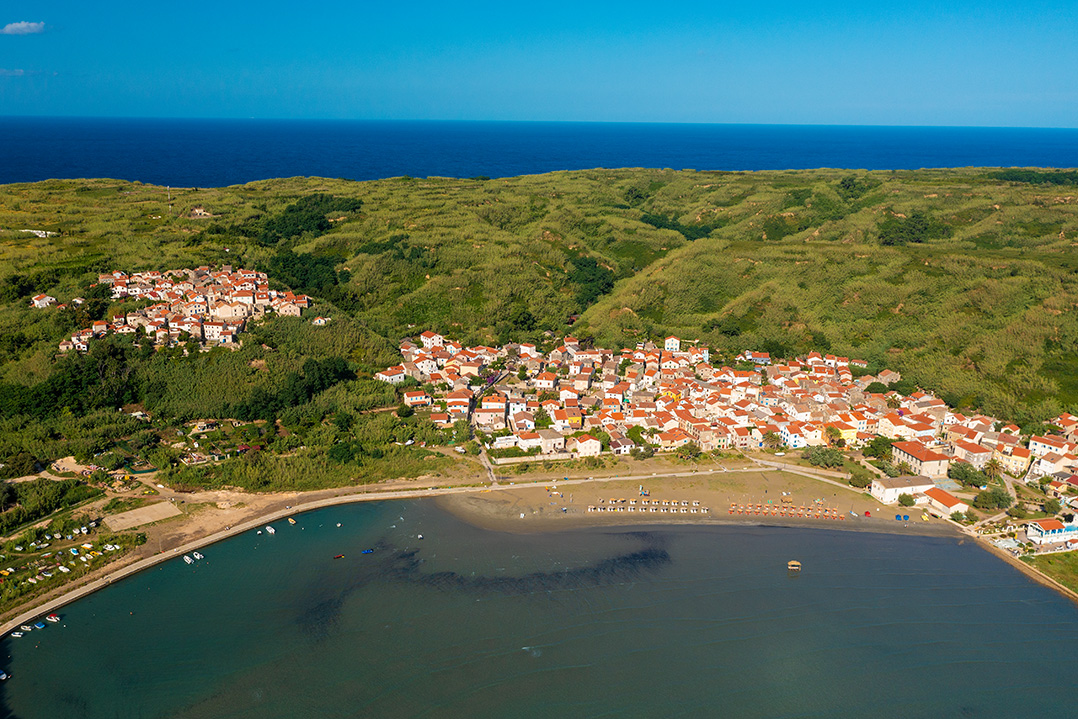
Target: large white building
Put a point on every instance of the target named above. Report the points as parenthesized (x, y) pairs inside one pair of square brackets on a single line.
[(888, 489)]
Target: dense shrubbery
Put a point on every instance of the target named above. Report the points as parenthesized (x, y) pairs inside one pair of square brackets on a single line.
[(995, 498), (689, 232), (967, 475), (1039, 177), (29, 501), (823, 457), (918, 227), (306, 215)]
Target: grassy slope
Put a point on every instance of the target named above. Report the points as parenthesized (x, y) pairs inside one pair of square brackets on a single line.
[(985, 315)]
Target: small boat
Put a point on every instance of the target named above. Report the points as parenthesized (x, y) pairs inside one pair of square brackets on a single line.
[(196, 555), (16, 634), (339, 556), (793, 565), (53, 618), (420, 536), (188, 559), (39, 625), (338, 524), (291, 521), (270, 530), (26, 628), (3, 676), (368, 551)]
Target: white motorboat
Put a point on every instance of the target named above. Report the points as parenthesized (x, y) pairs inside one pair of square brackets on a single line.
[(270, 530), (196, 555), (188, 559)]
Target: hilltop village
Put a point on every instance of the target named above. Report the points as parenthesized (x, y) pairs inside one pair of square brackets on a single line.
[(209, 307), (578, 401)]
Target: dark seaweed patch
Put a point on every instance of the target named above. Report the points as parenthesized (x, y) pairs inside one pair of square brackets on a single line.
[(322, 610)]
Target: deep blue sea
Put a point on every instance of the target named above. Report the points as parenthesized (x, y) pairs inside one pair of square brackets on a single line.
[(678, 621), (213, 153)]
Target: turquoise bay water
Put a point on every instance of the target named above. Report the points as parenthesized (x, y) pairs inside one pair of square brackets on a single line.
[(667, 622)]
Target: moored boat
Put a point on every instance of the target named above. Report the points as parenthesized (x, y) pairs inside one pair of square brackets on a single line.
[(270, 530), (793, 565), (26, 628), (188, 559), (196, 555), (39, 625), (291, 521), (53, 618)]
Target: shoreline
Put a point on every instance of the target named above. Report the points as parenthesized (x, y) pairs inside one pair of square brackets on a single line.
[(462, 503)]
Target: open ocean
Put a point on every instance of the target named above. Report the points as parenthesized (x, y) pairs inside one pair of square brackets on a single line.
[(213, 153), (680, 621)]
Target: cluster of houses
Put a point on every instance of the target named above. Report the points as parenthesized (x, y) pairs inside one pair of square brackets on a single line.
[(208, 306), (675, 395)]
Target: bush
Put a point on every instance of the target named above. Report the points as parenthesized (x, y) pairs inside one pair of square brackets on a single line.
[(860, 477), (823, 457), (992, 499), (966, 475), (906, 500)]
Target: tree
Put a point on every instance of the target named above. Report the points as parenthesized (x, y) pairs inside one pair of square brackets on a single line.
[(823, 456), (957, 517), (772, 440), (689, 450), (880, 448), (1052, 506), (876, 388), (966, 475), (993, 468), (1018, 512), (833, 434), (542, 419), (522, 373), (893, 402), (404, 411), (906, 500), (860, 478), (994, 498)]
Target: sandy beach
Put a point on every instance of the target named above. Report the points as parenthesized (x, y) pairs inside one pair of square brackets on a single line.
[(560, 505)]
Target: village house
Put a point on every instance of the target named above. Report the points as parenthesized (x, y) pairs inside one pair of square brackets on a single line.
[(888, 489), (920, 459)]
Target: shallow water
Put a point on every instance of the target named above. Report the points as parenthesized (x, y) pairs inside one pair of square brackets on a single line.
[(679, 621)]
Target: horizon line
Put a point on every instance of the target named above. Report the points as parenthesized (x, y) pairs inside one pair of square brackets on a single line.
[(530, 122)]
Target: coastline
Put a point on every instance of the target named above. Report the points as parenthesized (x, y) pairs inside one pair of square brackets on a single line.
[(498, 507)]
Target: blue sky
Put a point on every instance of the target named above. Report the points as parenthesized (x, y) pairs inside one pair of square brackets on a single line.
[(983, 63)]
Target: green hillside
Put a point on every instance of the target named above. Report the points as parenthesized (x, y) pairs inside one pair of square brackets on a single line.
[(961, 279)]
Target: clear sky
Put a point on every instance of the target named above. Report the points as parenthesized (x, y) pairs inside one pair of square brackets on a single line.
[(991, 63)]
